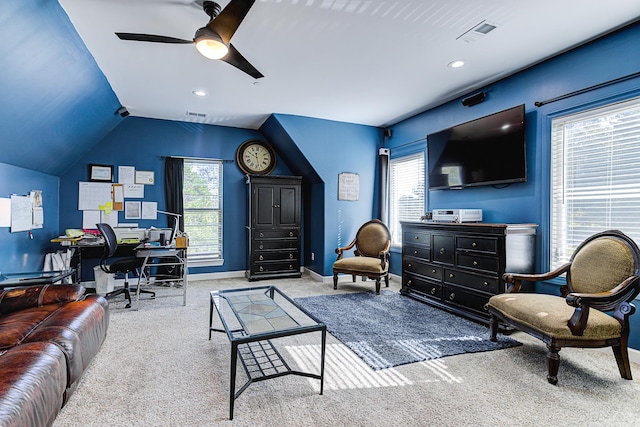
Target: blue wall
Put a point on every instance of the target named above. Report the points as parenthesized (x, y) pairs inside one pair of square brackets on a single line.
[(332, 148), (19, 253), (56, 103), (143, 143), (605, 59)]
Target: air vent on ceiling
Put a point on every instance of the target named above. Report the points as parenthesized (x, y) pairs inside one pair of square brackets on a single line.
[(194, 114), (478, 31)]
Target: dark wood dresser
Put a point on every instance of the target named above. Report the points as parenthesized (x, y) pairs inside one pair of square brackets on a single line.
[(458, 267), (273, 226)]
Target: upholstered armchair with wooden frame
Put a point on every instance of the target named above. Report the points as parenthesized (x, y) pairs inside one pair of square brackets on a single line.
[(371, 255), (601, 276)]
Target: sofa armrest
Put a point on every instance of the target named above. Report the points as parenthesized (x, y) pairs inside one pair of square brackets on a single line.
[(12, 300)]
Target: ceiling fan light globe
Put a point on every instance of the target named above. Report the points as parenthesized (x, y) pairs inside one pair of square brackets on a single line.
[(209, 44)]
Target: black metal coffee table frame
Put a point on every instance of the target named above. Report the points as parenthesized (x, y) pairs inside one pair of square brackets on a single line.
[(260, 359)]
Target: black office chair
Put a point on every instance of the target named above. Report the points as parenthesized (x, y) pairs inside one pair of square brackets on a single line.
[(122, 265)]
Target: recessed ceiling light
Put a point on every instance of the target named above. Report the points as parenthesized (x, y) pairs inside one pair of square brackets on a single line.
[(199, 93), (456, 64)]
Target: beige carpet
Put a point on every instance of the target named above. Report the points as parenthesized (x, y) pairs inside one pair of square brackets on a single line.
[(158, 368)]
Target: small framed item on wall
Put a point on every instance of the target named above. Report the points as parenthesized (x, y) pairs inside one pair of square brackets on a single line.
[(101, 173), (145, 177)]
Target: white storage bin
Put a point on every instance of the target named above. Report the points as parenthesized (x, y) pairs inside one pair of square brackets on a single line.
[(104, 281)]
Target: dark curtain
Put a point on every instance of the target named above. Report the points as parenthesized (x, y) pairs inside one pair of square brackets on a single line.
[(173, 180), (383, 188)]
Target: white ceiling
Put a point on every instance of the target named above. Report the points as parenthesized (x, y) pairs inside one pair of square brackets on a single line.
[(371, 62)]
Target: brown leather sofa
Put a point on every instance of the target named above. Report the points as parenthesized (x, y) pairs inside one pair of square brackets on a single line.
[(49, 334)]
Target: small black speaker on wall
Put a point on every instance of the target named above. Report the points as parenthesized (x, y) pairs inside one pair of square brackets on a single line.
[(474, 99), (123, 111), (387, 133)]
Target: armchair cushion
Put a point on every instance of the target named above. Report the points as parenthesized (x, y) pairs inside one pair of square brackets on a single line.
[(601, 265), (361, 265), (549, 314)]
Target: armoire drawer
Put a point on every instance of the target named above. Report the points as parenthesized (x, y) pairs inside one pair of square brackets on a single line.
[(263, 245), (276, 234), (284, 255), (275, 267)]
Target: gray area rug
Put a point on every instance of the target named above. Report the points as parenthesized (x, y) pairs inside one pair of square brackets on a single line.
[(389, 329)]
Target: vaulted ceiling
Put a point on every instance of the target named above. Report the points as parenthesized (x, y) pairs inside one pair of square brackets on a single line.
[(372, 62)]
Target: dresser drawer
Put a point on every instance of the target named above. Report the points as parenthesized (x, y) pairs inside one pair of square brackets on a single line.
[(423, 252), (417, 266), (426, 287), (443, 249), (470, 260), (276, 234), (481, 244), (416, 237), (465, 298), (474, 281)]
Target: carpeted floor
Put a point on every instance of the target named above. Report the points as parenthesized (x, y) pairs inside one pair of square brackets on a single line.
[(158, 368), (383, 331)]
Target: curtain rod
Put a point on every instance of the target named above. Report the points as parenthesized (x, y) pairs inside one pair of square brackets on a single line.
[(196, 158), (587, 89), (407, 143)]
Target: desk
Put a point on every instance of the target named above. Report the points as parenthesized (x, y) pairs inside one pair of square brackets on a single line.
[(166, 256), (33, 278), (82, 251)]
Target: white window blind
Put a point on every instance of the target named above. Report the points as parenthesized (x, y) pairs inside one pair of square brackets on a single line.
[(202, 198), (406, 201), (595, 176)]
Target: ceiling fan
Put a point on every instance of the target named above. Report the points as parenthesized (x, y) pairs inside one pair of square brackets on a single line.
[(212, 40)]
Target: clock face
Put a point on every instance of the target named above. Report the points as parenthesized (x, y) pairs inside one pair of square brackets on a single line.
[(255, 157)]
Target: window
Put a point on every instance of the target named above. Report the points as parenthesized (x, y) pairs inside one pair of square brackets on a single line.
[(202, 197), (595, 176), (407, 192)]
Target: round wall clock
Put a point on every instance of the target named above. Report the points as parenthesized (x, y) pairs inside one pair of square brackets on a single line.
[(256, 157)]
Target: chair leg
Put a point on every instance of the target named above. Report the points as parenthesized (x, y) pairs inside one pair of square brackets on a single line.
[(353, 277), (386, 280), (377, 286), (553, 363), (493, 328), (622, 357), (335, 280)]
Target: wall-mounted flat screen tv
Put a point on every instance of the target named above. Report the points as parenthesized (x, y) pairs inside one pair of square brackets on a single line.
[(487, 151)]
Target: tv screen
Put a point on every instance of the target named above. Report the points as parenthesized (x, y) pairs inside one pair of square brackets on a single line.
[(486, 151)]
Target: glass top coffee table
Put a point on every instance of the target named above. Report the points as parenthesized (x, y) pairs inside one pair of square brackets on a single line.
[(251, 318)]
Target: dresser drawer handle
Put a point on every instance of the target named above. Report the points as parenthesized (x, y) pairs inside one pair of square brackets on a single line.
[(291, 234), (290, 267), (261, 247), (417, 237), (415, 252), (485, 283), (409, 265), (261, 258), (290, 256), (474, 244), (433, 291), (409, 283), (261, 268), (475, 263), (433, 271), (261, 234), (443, 251), (451, 275), (452, 296)]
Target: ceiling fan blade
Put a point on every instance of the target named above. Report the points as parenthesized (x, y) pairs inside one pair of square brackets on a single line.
[(228, 21), (237, 60), (151, 38)]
